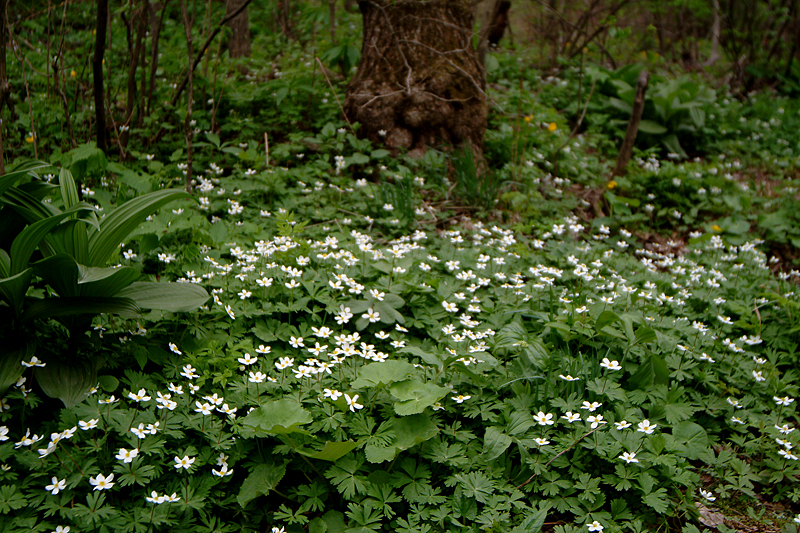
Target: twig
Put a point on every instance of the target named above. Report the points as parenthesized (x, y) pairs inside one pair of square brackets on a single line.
[(202, 50), (575, 129), (556, 456), (266, 146), (335, 95)]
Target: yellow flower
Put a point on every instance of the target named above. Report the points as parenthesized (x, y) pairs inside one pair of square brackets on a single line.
[(73, 74), (29, 139), (552, 127), (585, 49), (528, 118), (643, 55), (612, 185), (716, 228)]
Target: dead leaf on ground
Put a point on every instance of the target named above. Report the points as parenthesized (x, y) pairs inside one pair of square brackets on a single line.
[(708, 517)]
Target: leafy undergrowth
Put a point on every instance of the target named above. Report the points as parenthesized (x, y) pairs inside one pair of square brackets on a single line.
[(355, 375), (373, 359)]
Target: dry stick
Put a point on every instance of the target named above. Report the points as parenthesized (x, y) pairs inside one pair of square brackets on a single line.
[(187, 127), (633, 126), (266, 146), (57, 85), (199, 55), (559, 454), (322, 68), (14, 48), (575, 129)]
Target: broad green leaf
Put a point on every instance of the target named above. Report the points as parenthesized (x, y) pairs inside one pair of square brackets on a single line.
[(476, 485), (264, 478), (414, 396), (413, 430), (332, 451), (11, 368), (605, 318), (78, 305), (69, 191), (278, 417), (532, 523), (14, 288), (652, 370), (28, 168), (67, 379), (376, 374), (657, 500), (693, 436), (115, 227), (68, 278), (174, 297), (644, 335), (29, 238), (495, 443), (653, 128)]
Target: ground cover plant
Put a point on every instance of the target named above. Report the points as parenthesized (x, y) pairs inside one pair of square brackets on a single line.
[(367, 341)]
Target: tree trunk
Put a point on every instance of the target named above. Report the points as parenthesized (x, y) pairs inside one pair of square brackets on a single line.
[(97, 73), (418, 83), (239, 43), (5, 88), (493, 28)]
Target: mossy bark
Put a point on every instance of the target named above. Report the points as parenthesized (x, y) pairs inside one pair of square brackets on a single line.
[(419, 80)]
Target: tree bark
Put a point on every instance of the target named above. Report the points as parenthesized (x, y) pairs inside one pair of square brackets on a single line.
[(419, 82), (239, 43), (493, 28), (633, 126), (5, 88), (97, 73)]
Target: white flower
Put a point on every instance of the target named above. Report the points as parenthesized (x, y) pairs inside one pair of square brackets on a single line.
[(333, 394), (541, 441), (544, 419), (461, 398), (247, 359), (256, 377), (595, 420), (185, 462), (450, 308), (623, 424), (592, 407), (85, 426), (174, 348), (611, 365), (568, 377), (629, 457), (783, 401), (140, 396), (127, 456), (646, 427), (371, 315), (708, 495), (595, 526), (571, 417), (56, 485), (351, 402), (101, 482)]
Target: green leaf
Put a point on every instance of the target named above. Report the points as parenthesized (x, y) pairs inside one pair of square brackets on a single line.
[(376, 374), (476, 485), (414, 396), (13, 355), (495, 443), (532, 523), (69, 191), (653, 128), (693, 436), (14, 288), (605, 318), (652, 371), (118, 224), (657, 500), (78, 305), (264, 478), (27, 168), (174, 297), (332, 451), (68, 380), (69, 278), (29, 238), (278, 417)]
